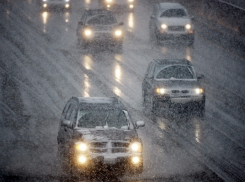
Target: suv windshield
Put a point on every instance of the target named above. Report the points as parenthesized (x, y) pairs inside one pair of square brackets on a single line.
[(113, 118), (102, 20), (177, 72), (173, 13)]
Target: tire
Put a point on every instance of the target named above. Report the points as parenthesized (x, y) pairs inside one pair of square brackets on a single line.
[(190, 42), (81, 43), (201, 108), (154, 105), (144, 95), (119, 48)]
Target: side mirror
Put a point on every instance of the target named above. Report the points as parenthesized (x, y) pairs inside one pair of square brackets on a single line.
[(121, 23), (66, 123), (199, 77), (140, 124), (152, 17), (192, 18)]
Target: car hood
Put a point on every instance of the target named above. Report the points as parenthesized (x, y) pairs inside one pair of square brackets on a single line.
[(106, 134), (104, 28), (177, 84), (175, 21)]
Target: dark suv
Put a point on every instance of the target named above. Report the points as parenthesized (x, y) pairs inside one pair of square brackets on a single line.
[(97, 133), (100, 26)]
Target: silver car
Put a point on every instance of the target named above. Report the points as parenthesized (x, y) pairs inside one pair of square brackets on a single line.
[(100, 26), (171, 21), (170, 82), (56, 3)]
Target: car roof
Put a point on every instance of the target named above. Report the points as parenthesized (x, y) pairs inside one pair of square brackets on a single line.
[(112, 102), (169, 5), (103, 100), (172, 62), (92, 12)]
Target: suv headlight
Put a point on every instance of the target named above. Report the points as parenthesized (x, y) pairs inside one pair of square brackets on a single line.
[(118, 33), (199, 91), (188, 26), (87, 32), (164, 26), (160, 91), (136, 147), (130, 1), (81, 147)]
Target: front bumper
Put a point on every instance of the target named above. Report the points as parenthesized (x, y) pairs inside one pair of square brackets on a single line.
[(182, 99), (99, 161), (102, 39), (181, 36)]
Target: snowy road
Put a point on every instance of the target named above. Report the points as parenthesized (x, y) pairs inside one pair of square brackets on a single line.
[(41, 67)]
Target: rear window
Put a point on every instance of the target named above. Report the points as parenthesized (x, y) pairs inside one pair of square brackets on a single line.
[(174, 13)]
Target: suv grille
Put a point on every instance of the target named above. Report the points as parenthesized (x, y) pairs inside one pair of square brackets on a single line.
[(176, 28), (109, 147), (180, 91)]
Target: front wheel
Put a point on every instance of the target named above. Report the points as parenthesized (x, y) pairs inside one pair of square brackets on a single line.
[(154, 105), (119, 47), (81, 43), (190, 41)]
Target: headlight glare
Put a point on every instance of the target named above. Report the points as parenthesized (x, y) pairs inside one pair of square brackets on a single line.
[(164, 26), (199, 91), (81, 146), (160, 90), (118, 33), (87, 32), (108, 1), (135, 160), (188, 26), (130, 0), (136, 147), (81, 159)]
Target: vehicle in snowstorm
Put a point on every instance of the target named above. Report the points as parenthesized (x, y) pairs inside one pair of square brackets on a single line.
[(118, 4), (171, 82), (97, 133), (101, 27), (55, 4), (171, 21)]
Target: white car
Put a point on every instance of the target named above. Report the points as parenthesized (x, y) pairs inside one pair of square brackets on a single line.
[(171, 21), (56, 3)]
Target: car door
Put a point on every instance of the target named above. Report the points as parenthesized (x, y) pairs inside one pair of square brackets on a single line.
[(81, 24), (148, 80), (63, 122)]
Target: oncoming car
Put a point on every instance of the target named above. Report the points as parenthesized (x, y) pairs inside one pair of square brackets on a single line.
[(171, 21), (56, 3), (170, 82), (101, 27), (119, 4), (97, 133)]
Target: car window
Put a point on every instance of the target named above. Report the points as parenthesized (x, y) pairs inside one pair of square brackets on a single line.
[(68, 111), (73, 116), (102, 118), (102, 20), (173, 13), (177, 72)]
